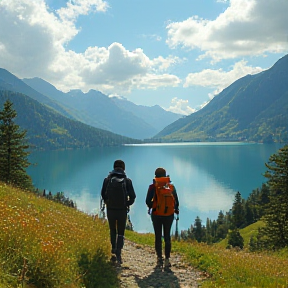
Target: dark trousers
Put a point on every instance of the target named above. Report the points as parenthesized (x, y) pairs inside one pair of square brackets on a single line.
[(164, 222), (117, 225)]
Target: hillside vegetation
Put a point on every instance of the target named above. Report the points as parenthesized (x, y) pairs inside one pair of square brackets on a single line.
[(228, 267), (46, 244), (253, 108), (47, 129)]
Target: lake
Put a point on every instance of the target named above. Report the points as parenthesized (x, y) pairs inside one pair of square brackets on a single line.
[(206, 175)]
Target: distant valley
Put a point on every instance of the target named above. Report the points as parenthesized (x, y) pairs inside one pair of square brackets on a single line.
[(253, 108), (116, 115)]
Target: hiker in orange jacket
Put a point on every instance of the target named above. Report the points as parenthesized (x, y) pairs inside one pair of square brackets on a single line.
[(162, 219)]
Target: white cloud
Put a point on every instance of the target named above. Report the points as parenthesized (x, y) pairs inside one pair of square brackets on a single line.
[(81, 7), (30, 36), (245, 28), (180, 106), (36, 46), (218, 78), (154, 37)]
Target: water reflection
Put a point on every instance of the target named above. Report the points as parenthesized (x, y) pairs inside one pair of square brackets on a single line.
[(206, 176)]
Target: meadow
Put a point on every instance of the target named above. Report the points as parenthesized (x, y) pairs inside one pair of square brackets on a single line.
[(229, 267), (47, 244)]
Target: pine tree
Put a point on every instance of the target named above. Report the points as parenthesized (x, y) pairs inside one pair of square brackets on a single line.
[(276, 213), (222, 227), (209, 238), (238, 213), (235, 239), (13, 150), (198, 230)]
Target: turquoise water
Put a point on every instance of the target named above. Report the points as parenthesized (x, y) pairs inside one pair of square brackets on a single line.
[(206, 175)]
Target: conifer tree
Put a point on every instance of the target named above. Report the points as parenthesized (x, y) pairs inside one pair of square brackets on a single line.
[(222, 228), (276, 212), (238, 214), (235, 239), (13, 150), (198, 230)]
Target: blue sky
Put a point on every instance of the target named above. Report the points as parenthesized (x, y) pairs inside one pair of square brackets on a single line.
[(177, 54)]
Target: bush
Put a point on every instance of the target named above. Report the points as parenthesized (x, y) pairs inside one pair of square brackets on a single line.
[(235, 239)]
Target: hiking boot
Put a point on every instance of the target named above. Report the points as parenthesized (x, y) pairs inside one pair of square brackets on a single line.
[(159, 262), (113, 258), (119, 259), (167, 263), (118, 256)]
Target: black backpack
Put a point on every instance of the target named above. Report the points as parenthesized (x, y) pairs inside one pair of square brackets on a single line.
[(116, 193)]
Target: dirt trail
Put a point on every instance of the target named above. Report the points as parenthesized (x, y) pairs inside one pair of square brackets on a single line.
[(139, 270)]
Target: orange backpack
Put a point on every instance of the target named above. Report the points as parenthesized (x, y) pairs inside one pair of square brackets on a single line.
[(163, 201)]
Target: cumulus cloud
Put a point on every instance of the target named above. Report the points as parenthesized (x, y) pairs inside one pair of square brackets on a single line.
[(245, 28), (180, 106), (81, 7), (35, 36), (36, 46), (218, 78)]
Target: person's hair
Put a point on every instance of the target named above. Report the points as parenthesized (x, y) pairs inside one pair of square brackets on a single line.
[(119, 164), (160, 172)]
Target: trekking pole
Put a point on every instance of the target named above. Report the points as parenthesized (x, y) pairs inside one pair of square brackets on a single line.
[(102, 208), (176, 230)]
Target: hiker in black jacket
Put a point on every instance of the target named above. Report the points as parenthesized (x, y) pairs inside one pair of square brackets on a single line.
[(118, 195)]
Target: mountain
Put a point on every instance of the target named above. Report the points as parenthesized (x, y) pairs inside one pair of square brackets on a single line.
[(253, 108), (10, 82), (47, 129), (98, 110), (95, 109), (155, 115)]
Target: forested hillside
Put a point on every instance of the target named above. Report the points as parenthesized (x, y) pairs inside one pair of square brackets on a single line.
[(253, 108), (47, 129), (113, 114)]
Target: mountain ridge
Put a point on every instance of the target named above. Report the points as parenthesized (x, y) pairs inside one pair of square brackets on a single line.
[(49, 130), (240, 112), (115, 116)]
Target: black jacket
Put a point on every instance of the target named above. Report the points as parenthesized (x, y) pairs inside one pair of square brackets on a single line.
[(119, 173)]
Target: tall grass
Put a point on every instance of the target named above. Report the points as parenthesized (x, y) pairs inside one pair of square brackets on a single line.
[(229, 268), (50, 245)]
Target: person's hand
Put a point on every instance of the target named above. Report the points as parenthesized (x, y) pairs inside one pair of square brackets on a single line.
[(176, 211)]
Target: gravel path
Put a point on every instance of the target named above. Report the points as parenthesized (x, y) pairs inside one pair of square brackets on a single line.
[(139, 270)]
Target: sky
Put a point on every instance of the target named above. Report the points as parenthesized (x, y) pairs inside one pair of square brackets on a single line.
[(176, 54)]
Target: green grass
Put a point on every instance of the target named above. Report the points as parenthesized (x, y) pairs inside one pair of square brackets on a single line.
[(229, 267), (246, 233), (46, 244)]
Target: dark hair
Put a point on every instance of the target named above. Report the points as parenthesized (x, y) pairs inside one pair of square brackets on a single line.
[(119, 164), (160, 172)]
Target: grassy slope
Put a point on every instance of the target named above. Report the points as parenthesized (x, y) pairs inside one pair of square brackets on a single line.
[(246, 233), (229, 268), (50, 245)]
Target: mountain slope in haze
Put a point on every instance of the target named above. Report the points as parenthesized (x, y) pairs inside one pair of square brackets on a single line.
[(96, 109), (253, 108), (47, 129), (10, 82), (154, 115), (116, 115)]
